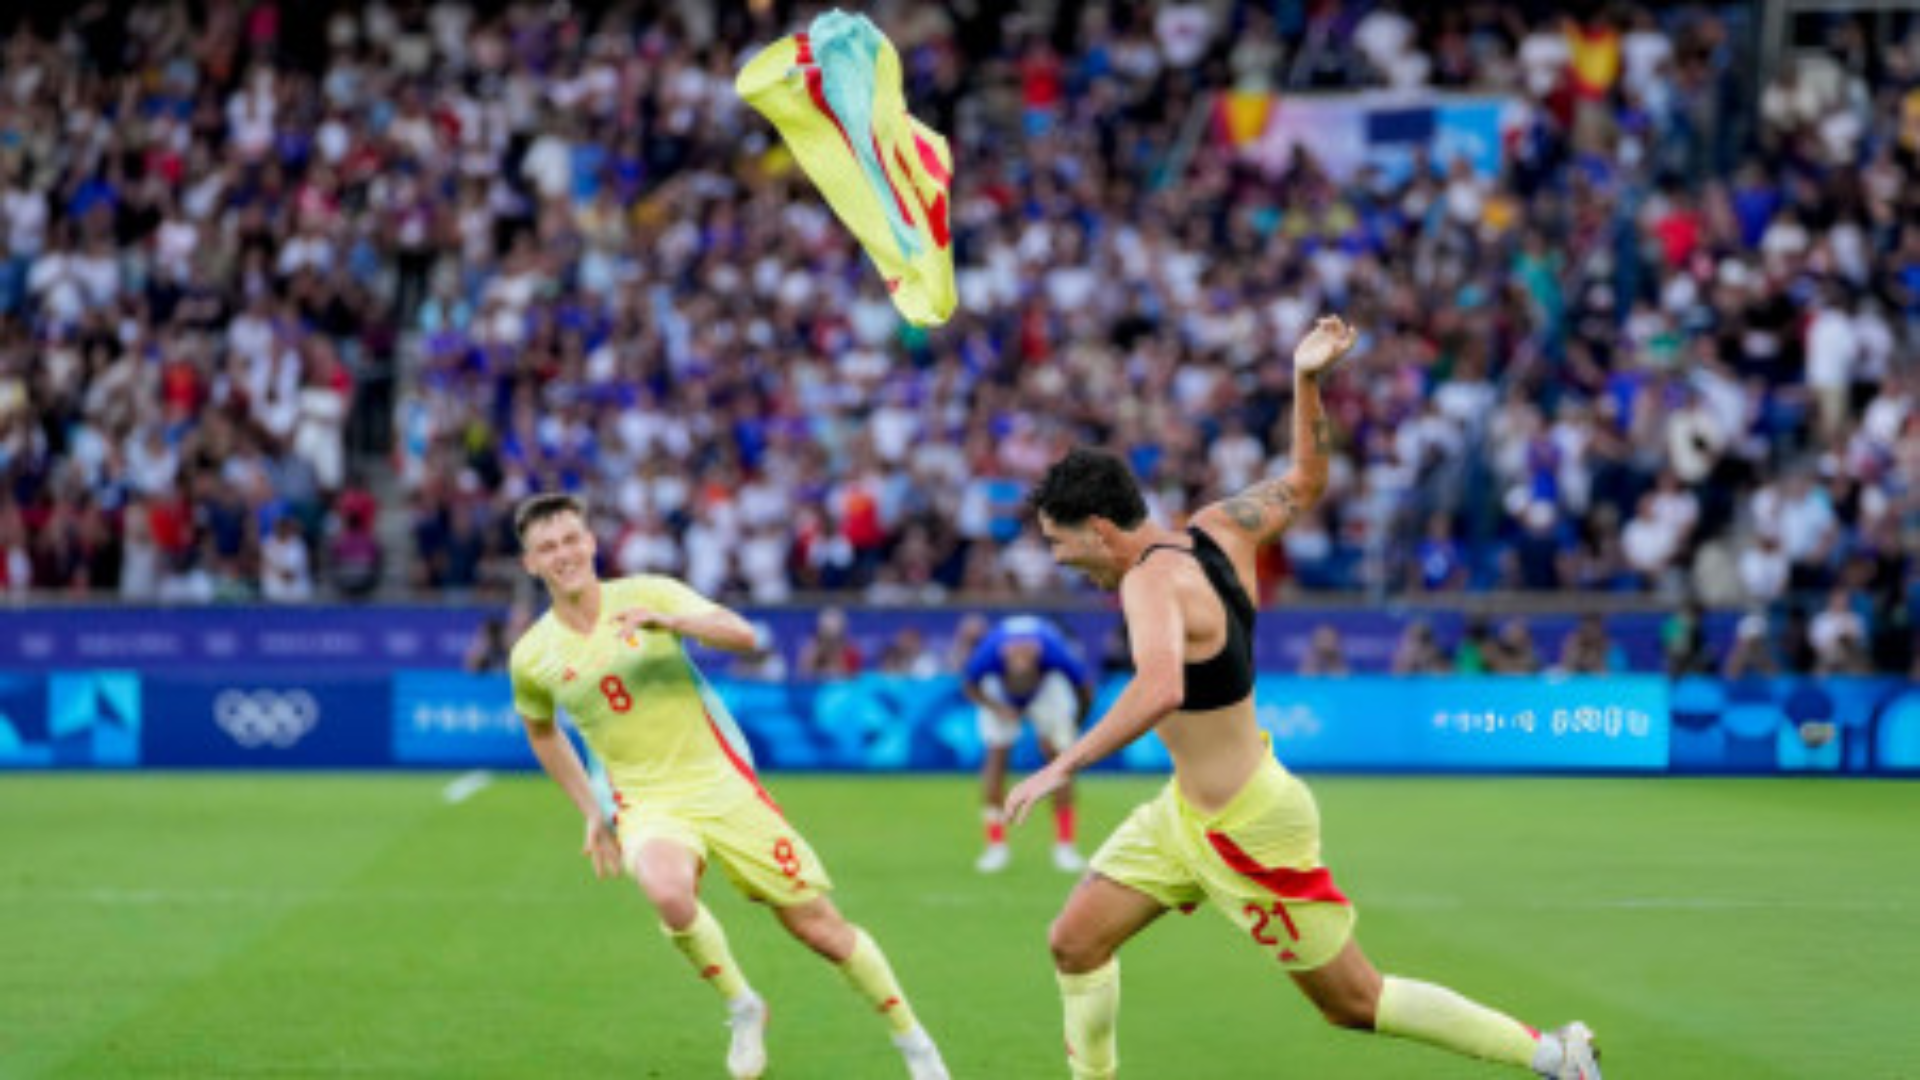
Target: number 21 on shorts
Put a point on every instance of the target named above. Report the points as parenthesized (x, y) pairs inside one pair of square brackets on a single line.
[(1262, 918)]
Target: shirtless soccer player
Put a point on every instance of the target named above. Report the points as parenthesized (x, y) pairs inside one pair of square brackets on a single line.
[(610, 654), (1233, 826)]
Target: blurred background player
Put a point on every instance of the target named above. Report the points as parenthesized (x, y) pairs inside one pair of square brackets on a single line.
[(1024, 670), (610, 654)]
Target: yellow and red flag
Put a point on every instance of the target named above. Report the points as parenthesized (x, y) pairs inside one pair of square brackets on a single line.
[(834, 92)]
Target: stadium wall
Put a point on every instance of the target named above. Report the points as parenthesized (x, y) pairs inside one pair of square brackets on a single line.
[(362, 640)]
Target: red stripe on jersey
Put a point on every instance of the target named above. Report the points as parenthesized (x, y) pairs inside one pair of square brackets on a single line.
[(935, 212), (930, 160), (1284, 883), (887, 174), (817, 93), (746, 771), (816, 89)]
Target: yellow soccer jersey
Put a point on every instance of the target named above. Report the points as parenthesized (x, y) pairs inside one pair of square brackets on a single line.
[(639, 701)]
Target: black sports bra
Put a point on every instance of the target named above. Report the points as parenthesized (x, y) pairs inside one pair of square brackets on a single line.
[(1226, 677)]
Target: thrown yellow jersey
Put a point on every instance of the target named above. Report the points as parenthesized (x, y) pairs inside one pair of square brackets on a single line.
[(639, 701)]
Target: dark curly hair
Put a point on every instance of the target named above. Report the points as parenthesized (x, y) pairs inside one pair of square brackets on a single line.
[(1089, 483), (538, 508)]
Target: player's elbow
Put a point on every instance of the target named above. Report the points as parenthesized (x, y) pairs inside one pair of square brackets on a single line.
[(736, 635), (1162, 694), (1308, 485)]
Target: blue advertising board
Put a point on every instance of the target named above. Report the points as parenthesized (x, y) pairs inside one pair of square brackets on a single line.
[(25, 741), (265, 721), (456, 719), (226, 638), (1467, 724), (884, 723), (70, 719)]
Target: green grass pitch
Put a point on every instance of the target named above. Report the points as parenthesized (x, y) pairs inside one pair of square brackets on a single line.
[(247, 926)]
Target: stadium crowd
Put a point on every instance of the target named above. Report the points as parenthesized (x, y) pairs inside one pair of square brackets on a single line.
[(1668, 350)]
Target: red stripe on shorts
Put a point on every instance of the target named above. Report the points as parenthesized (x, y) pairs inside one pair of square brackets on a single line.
[(1284, 883)]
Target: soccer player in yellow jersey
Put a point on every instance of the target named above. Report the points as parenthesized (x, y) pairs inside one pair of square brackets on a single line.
[(1233, 827), (610, 654)]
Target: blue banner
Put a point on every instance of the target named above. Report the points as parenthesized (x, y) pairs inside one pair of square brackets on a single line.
[(229, 638), (25, 741), (1796, 724), (456, 719), (265, 722), (885, 723), (1466, 724)]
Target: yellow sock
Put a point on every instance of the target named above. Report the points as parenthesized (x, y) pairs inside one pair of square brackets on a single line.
[(867, 972), (704, 945), (1091, 1002), (1438, 1016)]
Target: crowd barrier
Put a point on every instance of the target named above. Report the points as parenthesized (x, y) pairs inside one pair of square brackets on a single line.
[(430, 719)]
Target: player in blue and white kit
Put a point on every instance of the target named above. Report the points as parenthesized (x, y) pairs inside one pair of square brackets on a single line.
[(1024, 669)]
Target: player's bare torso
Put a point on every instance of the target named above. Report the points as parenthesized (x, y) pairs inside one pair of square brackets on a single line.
[(1216, 750)]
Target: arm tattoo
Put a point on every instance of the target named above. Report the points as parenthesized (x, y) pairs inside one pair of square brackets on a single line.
[(1323, 435), (1265, 508), (1244, 511), (1279, 495)]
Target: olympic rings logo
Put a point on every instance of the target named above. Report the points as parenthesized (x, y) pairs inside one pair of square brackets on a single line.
[(266, 717)]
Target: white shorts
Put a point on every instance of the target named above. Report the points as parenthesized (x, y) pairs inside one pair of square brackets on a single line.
[(1054, 711)]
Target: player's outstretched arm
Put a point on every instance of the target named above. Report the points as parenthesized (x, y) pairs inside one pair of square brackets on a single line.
[(556, 755), (716, 627), (1157, 632), (1262, 512)]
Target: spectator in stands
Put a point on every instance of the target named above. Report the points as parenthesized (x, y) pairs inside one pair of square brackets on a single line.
[(1839, 637), (355, 553), (1477, 652), (1752, 652), (906, 653), (1587, 650), (1418, 653), (1325, 655), (490, 647), (830, 653), (1683, 641), (1514, 652), (285, 569)]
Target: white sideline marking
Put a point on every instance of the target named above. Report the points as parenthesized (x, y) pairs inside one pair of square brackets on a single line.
[(466, 787)]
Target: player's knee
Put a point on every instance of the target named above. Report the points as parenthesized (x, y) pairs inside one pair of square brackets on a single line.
[(677, 911), (1075, 951), (673, 897)]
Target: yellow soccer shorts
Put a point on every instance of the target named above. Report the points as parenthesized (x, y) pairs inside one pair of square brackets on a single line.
[(737, 825), (1257, 860)]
